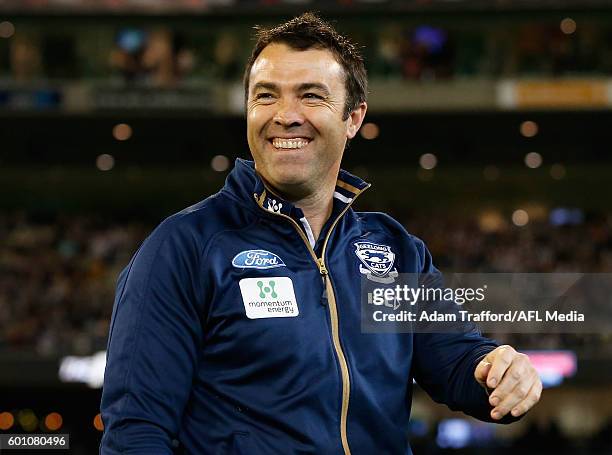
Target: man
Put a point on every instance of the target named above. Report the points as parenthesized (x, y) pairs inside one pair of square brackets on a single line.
[(236, 326)]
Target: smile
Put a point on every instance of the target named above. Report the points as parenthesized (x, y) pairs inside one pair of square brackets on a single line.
[(289, 143)]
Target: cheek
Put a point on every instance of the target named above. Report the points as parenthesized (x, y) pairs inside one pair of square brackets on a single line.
[(256, 118), (328, 122), (335, 129), (252, 138)]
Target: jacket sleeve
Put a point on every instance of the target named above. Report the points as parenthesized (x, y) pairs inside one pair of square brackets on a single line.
[(444, 363), (154, 342)]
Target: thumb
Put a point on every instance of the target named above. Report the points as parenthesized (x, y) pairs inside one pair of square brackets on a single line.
[(482, 371)]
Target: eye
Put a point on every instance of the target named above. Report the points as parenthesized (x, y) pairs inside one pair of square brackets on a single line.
[(263, 96), (311, 95)]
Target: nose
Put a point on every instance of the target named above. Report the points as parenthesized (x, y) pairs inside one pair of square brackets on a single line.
[(289, 113)]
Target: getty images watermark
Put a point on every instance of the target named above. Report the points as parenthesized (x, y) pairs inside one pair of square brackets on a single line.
[(496, 302)]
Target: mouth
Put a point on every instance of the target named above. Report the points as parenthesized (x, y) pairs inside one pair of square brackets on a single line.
[(285, 143)]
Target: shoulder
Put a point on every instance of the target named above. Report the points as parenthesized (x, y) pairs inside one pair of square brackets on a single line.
[(379, 221), (195, 226)]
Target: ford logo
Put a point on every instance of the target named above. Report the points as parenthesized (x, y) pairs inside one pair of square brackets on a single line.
[(257, 259)]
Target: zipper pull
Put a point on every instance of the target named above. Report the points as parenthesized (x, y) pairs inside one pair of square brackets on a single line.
[(322, 269), (324, 278)]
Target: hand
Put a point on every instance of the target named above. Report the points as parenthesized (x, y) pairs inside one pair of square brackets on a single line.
[(515, 382)]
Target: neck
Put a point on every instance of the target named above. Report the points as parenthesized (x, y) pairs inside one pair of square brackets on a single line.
[(317, 205), (317, 208)]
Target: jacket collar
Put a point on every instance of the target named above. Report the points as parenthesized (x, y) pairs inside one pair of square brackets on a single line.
[(244, 183)]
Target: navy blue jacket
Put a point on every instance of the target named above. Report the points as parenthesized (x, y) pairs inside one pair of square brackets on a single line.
[(233, 332)]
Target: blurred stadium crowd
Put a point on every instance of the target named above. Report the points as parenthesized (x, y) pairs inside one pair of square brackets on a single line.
[(57, 281), (165, 55), (57, 276)]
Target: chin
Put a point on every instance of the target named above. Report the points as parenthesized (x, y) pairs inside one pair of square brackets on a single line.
[(289, 170), (289, 180)]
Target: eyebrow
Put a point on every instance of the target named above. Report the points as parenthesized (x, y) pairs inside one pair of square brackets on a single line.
[(264, 85), (313, 85), (301, 88)]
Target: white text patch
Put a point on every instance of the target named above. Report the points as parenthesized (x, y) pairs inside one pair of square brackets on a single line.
[(269, 297)]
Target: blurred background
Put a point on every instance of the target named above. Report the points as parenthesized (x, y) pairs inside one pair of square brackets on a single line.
[(488, 135)]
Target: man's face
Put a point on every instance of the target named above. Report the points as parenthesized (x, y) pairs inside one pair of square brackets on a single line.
[(295, 128)]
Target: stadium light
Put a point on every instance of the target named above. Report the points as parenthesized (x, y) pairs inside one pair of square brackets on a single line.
[(54, 421), (105, 162), (370, 131), (27, 419), (220, 163), (88, 369), (520, 218), (7, 29), (97, 422), (122, 132), (533, 160), (529, 128), (6, 421), (568, 25), (428, 161)]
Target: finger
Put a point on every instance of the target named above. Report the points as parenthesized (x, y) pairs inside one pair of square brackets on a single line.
[(482, 370), (517, 396), (514, 374), (532, 398), (501, 362)]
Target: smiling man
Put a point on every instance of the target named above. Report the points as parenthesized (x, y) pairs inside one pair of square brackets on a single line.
[(300, 115), (236, 325)]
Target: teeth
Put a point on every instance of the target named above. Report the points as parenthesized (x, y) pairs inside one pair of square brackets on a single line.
[(296, 143)]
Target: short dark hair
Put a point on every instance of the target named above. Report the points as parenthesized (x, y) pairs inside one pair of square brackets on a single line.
[(310, 31)]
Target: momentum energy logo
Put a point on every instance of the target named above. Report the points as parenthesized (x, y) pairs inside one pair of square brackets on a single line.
[(268, 297), (269, 289)]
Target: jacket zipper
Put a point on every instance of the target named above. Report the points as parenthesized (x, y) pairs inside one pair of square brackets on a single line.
[(333, 310)]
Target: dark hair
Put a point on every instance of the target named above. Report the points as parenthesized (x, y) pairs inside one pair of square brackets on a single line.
[(309, 31)]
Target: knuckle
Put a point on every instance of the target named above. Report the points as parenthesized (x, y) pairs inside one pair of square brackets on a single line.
[(508, 355), (500, 395), (521, 391), (506, 387), (500, 351), (531, 373)]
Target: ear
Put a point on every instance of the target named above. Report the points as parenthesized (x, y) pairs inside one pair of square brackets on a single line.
[(355, 120)]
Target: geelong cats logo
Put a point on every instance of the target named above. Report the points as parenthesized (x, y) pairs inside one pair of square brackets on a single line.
[(378, 261)]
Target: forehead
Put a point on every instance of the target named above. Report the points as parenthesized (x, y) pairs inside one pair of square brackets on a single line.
[(282, 65)]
